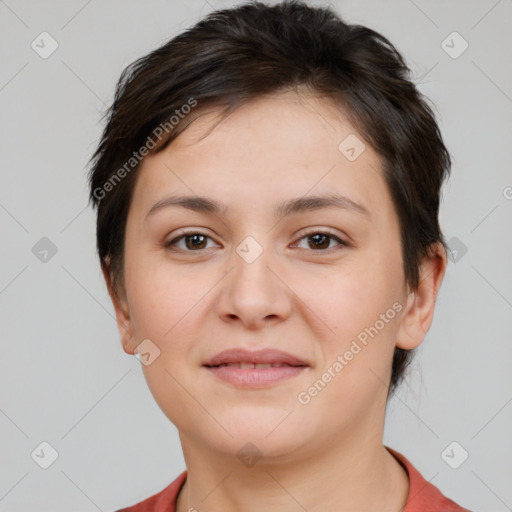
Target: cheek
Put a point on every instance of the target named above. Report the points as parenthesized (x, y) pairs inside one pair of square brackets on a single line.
[(164, 305), (354, 296), (160, 296), (362, 308)]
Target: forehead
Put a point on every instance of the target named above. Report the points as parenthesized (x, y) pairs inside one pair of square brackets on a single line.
[(285, 123), (274, 147)]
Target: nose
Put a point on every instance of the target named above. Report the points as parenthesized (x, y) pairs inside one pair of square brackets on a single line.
[(254, 292)]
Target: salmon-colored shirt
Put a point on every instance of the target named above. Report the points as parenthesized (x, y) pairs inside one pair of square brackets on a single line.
[(423, 496)]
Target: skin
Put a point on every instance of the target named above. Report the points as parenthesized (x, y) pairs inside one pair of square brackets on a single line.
[(311, 302)]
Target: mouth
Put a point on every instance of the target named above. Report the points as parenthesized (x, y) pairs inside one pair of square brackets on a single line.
[(241, 356), (256, 376), (245, 369), (247, 365)]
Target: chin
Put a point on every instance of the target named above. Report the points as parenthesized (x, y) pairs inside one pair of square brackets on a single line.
[(251, 447), (269, 434)]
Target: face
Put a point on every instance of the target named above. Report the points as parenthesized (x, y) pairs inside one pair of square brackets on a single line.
[(324, 284)]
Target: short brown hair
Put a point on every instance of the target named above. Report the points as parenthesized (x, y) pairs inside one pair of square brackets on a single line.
[(235, 55)]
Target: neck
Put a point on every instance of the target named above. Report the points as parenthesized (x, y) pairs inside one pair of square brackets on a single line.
[(343, 477)]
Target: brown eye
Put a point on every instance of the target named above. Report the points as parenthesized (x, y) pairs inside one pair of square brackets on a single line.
[(320, 241), (193, 241)]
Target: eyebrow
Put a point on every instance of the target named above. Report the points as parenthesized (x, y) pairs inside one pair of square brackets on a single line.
[(202, 204)]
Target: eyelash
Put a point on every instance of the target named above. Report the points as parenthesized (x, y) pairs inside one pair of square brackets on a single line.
[(185, 234)]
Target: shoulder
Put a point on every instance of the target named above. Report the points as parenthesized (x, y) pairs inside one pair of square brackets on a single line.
[(423, 495), (163, 501)]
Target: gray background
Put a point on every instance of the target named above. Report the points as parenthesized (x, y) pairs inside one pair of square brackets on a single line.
[(64, 376)]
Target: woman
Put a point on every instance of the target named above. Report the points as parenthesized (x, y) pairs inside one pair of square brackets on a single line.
[(267, 187)]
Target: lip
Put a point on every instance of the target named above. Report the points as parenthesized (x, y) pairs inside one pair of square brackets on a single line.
[(268, 355), (241, 375)]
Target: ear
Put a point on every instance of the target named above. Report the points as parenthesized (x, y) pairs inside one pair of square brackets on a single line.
[(419, 311), (121, 308)]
